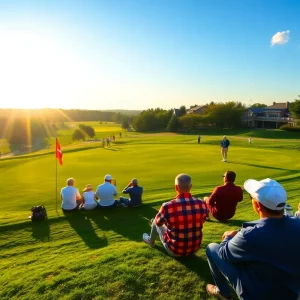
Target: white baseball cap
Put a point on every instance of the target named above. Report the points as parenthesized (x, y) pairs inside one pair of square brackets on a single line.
[(107, 177), (268, 192)]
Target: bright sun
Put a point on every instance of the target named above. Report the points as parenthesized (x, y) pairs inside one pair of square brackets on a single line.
[(35, 71)]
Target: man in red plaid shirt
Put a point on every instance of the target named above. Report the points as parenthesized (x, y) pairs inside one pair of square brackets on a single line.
[(179, 222)]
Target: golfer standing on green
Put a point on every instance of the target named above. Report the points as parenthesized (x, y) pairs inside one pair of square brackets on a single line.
[(224, 148)]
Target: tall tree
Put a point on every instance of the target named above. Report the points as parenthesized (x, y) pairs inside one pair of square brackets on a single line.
[(295, 109), (174, 124), (125, 124), (182, 111), (78, 135)]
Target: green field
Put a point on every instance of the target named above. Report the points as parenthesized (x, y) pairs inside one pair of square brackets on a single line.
[(100, 254)]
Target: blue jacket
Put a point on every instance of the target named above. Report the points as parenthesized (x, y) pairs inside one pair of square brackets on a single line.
[(135, 192), (266, 254), (225, 143)]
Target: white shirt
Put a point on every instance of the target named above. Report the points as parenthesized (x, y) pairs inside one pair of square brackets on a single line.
[(89, 197), (106, 193), (69, 194)]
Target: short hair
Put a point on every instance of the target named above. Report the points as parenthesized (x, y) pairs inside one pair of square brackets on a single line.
[(134, 181), (224, 137), (70, 181), (184, 182), (230, 176), (271, 211)]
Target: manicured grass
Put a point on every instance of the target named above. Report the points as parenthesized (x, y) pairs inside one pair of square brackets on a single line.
[(100, 254)]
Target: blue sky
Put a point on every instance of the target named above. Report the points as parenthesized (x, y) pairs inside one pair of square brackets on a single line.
[(148, 53)]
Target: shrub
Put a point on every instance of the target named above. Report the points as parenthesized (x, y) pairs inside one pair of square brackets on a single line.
[(290, 128)]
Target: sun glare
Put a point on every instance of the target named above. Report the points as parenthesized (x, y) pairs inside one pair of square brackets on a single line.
[(36, 71)]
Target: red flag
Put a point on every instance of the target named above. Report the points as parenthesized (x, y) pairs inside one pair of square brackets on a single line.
[(58, 152)]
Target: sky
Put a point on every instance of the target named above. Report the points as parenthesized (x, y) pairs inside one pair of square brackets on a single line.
[(140, 54)]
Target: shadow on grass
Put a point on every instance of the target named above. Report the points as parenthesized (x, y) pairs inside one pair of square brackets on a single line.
[(260, 166), (83, 227), (41, 230), (129, 223)]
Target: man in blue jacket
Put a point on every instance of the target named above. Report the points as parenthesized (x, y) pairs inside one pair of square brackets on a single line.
[(224, 148), (135, 192), (261, 260)]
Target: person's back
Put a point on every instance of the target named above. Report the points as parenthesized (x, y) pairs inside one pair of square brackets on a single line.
[(106, 192), (89, 197), (135, 193), (223, 201), (225, 205), (179, 222), (271, 267), (182, 214), (68, 195)]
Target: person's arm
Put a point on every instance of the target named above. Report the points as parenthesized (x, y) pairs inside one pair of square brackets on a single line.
[(125, 190), (78, 196), (242, 196), (235, 246), (61, 196), (160, 217), (213, 197), (228, 143), (97, 194), (115, 192)]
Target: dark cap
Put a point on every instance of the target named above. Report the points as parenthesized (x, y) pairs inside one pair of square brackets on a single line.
[(230, 176)]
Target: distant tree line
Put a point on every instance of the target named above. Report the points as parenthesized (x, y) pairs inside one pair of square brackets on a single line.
[(65, 115), (220, 115)]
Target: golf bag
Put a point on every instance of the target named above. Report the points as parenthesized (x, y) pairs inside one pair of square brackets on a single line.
[(39, 213)]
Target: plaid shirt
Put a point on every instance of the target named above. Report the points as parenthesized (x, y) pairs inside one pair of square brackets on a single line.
[(184, 217)]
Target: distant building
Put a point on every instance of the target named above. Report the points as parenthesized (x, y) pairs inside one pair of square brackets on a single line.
[(272, 116), (197, 109)]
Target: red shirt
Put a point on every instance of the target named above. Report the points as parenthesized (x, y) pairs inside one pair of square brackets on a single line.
[(223, 201), (184, 217)]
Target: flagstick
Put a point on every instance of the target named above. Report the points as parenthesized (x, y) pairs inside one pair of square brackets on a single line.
[(56, 179)]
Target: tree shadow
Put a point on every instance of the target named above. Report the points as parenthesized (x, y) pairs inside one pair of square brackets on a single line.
[(263, 167), (83, 227), (41, 230)]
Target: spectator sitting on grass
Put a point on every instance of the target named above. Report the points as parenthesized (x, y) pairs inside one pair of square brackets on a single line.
[(224, 199), (70, 196), (135, 193), (106, 193), (88, 198), (261, 260), (179, 222)]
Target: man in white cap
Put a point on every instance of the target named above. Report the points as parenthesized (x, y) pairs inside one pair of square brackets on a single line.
[(106, 193), (261, 260), (224, 148)]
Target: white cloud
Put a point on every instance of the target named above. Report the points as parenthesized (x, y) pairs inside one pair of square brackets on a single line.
[(280, 38)]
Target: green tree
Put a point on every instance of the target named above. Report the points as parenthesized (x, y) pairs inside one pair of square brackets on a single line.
[(78, 135), (125, 124), (174, 124), (88, 130), (295, 108), (182, 111), (258, 105), (191, 121)]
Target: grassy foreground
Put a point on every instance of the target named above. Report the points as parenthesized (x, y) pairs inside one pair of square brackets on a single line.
[(100, 254)]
